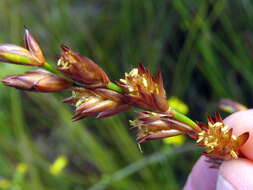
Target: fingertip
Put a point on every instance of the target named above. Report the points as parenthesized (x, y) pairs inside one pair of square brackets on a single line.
[(243, 122), (237, 174)]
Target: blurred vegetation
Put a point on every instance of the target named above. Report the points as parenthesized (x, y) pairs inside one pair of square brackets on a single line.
[(203, 47)]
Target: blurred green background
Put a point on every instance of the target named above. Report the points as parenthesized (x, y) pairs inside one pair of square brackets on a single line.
[(203, 47)]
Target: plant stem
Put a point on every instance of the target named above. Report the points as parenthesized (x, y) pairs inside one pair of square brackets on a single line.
[(51, 68), (184, 119), (114, 87)]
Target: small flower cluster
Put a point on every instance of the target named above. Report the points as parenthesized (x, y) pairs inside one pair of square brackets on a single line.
[(219, 141), (93, 93)]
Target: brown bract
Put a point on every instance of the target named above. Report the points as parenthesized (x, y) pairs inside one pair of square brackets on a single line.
[(144, 90), (152, 126), (81, 69), (100, 101), (218, 140), (38, 81), (32, 45)]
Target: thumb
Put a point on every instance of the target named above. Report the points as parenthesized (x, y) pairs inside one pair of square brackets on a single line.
[(235, 175)]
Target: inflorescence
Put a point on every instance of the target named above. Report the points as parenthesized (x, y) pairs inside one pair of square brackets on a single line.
[(93, 93)]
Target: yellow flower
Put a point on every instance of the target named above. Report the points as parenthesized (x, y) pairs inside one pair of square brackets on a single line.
[(21, 168), (178, 105), (5, 184), (59, 164)]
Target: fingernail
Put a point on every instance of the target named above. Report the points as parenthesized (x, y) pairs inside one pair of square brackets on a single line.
[(223, 184)]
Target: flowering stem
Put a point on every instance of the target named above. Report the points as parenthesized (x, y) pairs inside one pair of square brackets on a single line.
[(51, 68), (112, 86), (184, 119)]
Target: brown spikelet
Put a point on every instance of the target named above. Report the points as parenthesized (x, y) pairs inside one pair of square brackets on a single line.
[(152, 126), (101, 102), (38, 81), (219, 141), (81, 69), (144, 90)]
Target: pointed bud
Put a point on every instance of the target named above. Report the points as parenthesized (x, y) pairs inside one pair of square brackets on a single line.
[(17, 55), (38, 80), (33, 47), (231, 106), (81, 69), (144, 90), (101, 102)]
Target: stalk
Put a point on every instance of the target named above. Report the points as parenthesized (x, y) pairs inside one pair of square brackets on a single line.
[(184, 119), (51, 68), (114, 87)]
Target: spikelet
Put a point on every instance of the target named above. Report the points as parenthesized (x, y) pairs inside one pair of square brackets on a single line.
[(144, 90), (218, 140)]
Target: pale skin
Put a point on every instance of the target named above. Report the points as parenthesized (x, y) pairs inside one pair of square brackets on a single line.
[(234, 174)]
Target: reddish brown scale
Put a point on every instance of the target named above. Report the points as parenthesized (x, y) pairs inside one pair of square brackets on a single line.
[(81, 69)]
